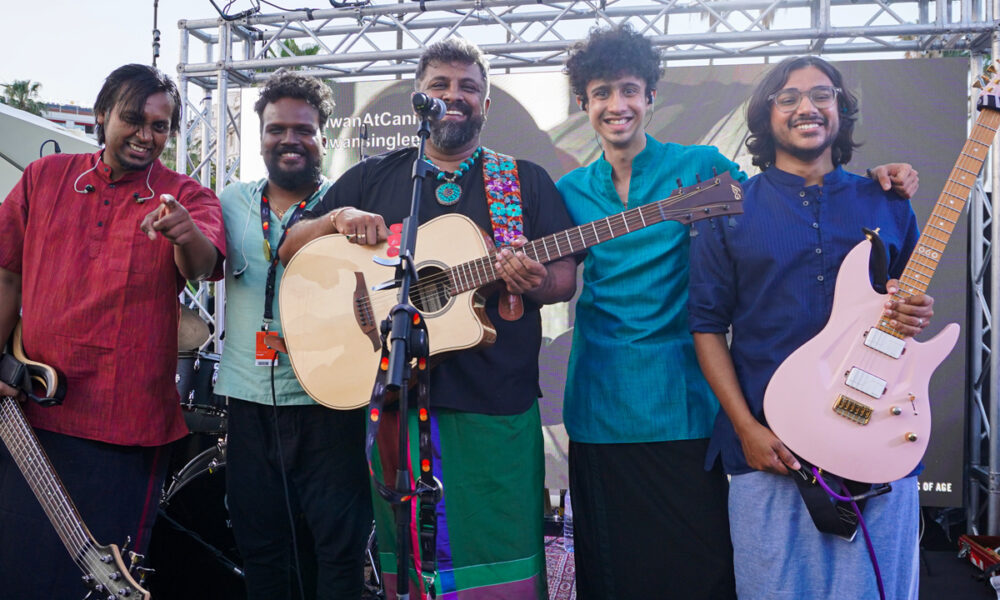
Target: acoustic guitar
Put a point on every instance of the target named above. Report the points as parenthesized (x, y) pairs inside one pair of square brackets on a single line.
[(330, 311)]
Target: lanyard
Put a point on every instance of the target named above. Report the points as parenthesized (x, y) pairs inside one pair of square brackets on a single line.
[(272, 255)]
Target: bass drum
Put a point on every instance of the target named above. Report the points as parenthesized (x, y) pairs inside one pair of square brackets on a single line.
[(192, 551)]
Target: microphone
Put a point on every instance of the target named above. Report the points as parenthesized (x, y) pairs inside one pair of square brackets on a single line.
[(428, 107)]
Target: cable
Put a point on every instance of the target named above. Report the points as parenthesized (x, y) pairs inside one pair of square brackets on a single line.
[(284, 483), (227, 17), (41, 148)]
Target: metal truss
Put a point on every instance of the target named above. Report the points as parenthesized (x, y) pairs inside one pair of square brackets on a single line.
[(383, 39)]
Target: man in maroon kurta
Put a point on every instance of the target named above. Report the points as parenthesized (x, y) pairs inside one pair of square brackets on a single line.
[(94, 250)]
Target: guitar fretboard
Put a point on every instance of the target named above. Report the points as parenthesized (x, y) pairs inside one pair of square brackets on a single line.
[(482, 271), (923, 263), (23, 446)]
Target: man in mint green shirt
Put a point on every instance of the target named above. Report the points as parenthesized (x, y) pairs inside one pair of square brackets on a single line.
[(283, 448)]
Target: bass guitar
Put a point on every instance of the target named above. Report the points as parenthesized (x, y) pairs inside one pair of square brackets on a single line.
[(853, 400), (104, 570), (330, 311)]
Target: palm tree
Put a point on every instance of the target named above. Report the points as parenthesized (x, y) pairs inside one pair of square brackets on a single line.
[(23, 94)]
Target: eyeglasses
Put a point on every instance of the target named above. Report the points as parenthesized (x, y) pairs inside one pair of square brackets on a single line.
[(821, 96)]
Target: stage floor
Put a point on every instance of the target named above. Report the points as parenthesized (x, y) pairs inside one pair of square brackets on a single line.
[(942, 575)]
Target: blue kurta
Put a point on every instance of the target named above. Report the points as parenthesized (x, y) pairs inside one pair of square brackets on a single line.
[(772, 276), (238, 376), (633, 375)]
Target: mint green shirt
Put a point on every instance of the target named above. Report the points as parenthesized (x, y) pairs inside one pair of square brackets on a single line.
[(633, 375), (238, 376)]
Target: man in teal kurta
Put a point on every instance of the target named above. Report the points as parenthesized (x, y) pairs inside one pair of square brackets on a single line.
[(637, 409)]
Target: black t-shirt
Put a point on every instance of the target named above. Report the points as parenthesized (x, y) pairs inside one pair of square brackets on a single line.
[(501, 379)]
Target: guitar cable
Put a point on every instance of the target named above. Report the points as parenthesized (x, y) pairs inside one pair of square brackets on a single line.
[(846, 497), (284, 483)]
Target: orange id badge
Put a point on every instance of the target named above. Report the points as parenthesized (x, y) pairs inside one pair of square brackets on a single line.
[(264, 356)]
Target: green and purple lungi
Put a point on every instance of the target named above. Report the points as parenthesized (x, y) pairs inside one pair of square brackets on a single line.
[(489, 522)]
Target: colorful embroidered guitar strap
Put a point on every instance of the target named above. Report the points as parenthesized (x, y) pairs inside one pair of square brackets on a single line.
[(503, 193)]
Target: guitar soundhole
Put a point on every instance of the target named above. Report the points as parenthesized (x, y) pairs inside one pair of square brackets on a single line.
[(431, 294)]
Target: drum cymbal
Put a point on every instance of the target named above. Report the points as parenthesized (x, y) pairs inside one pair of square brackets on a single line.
[(192, 332)]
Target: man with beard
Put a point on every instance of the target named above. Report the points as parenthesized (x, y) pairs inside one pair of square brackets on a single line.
[(94, 249), (285, 452), (802, 216), (485, 421)]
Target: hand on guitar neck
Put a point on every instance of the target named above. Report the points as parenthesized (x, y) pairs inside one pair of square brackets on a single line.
[(908, 315)]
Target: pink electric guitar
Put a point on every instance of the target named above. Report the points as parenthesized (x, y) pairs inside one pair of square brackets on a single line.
[(853, 400)]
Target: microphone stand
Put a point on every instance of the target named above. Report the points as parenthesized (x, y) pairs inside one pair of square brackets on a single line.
[(404, 344)]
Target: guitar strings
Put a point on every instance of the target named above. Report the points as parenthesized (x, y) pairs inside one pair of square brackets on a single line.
[(55, 502), (437, 289)]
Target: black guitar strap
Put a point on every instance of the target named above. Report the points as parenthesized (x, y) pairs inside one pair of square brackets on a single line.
[(830, 515), (428, 488)]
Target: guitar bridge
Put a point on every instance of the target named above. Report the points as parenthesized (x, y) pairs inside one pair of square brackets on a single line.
[(852, 410), (363, 313)]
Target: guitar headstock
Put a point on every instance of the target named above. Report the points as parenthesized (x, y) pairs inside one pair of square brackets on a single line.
[(990, 84), (107, 576), (719, 196)]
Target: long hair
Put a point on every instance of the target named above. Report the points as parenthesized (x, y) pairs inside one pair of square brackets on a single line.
[(128, 87), (761, 140)]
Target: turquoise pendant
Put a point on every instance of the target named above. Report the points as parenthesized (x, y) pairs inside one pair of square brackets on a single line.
[(448, 193)]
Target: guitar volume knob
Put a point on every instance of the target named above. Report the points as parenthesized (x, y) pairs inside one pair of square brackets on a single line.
[(911, 437), (896, 411)]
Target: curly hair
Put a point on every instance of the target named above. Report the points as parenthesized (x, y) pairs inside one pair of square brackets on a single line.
[(761, 140), (609, 53), (289, 84), (128, 87), (452, 50)]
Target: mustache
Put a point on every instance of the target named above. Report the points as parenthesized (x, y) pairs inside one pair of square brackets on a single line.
[(811, 119), (461, 106)]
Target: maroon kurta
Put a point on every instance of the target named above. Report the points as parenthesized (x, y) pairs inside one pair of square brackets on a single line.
[(99, 298)]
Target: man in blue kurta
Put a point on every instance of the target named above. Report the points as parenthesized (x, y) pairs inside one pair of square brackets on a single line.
[(771, 278)]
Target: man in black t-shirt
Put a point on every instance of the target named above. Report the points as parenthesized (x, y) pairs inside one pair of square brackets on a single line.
[(485, 421)]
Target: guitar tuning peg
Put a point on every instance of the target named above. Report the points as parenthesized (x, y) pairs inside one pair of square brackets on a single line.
[(977, 84), (992, 68)]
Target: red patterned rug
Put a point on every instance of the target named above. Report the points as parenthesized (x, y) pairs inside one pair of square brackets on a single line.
[(561, 570)]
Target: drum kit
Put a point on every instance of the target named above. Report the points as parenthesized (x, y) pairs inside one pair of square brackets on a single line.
[(192, 547)]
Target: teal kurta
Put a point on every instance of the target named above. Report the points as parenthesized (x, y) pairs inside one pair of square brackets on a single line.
[(238, 376), (633, 375)]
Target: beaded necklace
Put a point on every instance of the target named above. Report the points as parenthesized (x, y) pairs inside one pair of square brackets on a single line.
[(449, 192)]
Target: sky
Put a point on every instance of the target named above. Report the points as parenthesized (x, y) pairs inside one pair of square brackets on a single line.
[(70, 46)]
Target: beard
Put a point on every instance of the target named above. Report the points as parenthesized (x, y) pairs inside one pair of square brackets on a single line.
[(808, 154), (449, 135), (308, 175)]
